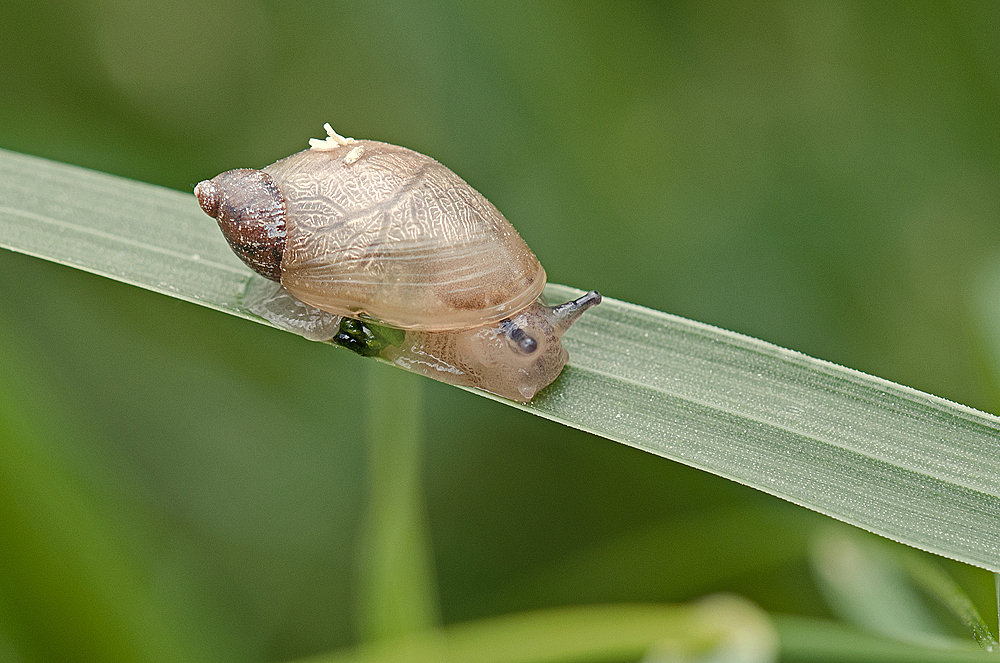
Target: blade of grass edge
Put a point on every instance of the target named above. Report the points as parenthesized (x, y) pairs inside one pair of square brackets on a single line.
[(895, 461)]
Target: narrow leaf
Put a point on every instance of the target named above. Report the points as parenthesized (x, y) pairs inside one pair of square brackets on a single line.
[(717, 628), (892, 460), (879, 587), (936, 582), (396, 587)]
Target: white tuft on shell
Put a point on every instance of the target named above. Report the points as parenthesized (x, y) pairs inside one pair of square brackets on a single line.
[(332, 141)]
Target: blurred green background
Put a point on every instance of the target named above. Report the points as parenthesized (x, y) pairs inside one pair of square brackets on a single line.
[(824, 175)]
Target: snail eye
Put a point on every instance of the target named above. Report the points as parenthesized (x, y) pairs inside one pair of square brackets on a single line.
[(524, 343)]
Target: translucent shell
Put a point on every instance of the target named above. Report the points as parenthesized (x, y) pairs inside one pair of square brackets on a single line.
[(376, 230)]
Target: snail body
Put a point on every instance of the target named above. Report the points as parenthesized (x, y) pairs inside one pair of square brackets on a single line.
[(391, 239)]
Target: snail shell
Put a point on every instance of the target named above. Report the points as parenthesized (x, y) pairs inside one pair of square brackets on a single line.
[(385, 235)]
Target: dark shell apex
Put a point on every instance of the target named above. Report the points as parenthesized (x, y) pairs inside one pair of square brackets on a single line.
[(251, 213)]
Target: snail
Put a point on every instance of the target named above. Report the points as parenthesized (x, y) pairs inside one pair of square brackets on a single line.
[(404, 259)]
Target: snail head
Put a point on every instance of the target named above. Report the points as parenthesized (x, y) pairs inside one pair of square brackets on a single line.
[(524, 353)]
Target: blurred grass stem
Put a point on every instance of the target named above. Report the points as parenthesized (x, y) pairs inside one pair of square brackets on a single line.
[(396, 588)]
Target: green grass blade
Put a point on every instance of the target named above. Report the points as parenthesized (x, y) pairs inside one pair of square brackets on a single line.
[(895, 461), (810, 639), (146, 235), (880, 587), (718, 628), (396, 587), (936, 582)]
